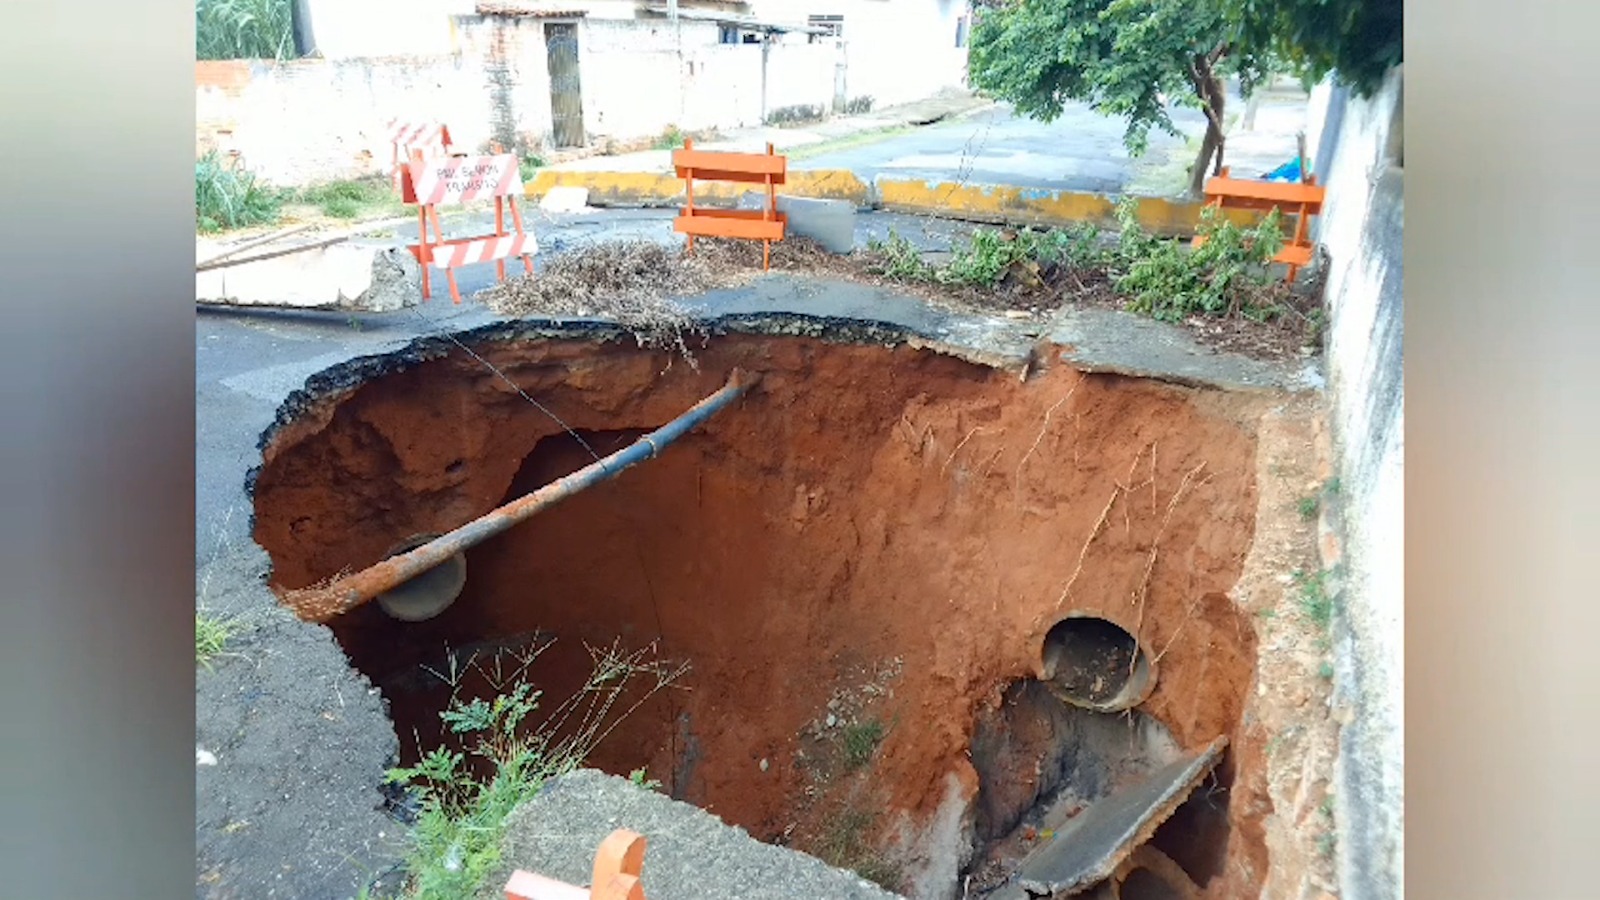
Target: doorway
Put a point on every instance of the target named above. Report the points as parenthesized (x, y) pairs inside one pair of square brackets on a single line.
[(566, 93)]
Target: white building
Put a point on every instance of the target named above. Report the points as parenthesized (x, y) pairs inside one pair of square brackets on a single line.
[(627, 69)]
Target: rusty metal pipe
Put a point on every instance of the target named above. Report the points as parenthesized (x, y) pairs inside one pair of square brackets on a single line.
[(320, 604)]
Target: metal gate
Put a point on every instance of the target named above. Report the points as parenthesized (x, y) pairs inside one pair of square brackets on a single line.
[(566, 94)]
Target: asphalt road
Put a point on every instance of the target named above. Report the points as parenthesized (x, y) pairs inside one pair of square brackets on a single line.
[(1080, 151)]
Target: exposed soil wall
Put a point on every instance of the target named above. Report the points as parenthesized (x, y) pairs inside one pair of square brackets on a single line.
[(875, 534)]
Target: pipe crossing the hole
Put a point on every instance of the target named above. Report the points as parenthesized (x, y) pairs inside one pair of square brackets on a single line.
[(320, 604)]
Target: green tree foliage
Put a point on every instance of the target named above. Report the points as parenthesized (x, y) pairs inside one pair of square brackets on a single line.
[(1122, 57), (1358, 40), (244, 29)]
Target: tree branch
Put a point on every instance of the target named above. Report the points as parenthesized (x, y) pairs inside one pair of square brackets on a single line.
[(1200, 74)]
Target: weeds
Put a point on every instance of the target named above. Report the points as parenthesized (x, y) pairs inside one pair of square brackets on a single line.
[(1170, 282), (227, 195), (354, 198), (529, 166), (844, 846), (506, 756), (861, 740), (211, 636), (1328, 840), (899, 259), (639, 778), (1315, 601), (243, 29), (1159, 277), (670, 139), (1309, 506)]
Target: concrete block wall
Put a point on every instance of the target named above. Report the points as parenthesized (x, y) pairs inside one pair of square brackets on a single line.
[(307, 120), (513, 104), (311, 120), (1356, 146)]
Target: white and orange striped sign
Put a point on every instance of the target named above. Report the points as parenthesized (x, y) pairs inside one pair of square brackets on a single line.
[(478, 250), (462, 178), (408, 134)]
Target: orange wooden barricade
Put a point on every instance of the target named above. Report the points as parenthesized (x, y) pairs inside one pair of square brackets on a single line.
[(618, 865), (407, 137), (458, 179), (1301, 200), (765, 224)]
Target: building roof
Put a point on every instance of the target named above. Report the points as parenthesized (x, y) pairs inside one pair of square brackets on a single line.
[(527, 10), (742, 21)]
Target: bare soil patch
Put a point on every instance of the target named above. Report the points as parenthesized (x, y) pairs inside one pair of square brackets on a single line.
[(859, 561)]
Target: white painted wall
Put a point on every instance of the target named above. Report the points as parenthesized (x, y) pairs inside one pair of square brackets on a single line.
[(897, 51), (1351, 142), (350, 29)]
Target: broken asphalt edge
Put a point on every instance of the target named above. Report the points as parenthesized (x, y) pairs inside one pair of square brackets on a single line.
[(988, 203)]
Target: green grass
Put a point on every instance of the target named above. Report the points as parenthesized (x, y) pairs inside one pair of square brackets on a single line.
[(355, 198), (211, 636), (227, 195), (861, 740)]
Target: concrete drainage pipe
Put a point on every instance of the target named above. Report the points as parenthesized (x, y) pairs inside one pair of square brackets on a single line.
[(429, 593)]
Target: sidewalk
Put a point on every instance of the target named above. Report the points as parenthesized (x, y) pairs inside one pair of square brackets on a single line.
[(945, 105)]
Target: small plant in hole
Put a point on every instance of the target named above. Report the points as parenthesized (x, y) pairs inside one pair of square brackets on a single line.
[(844, 846), (861, 740), (1328, 840), (639, 778), (1309, 506), (211, 636), (508, 749), (1315, 601)]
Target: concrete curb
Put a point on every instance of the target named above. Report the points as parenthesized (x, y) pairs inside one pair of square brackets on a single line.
[(996, 204)]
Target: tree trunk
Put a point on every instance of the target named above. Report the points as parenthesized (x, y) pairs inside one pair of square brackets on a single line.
[(1209, 145), (1212, 96)]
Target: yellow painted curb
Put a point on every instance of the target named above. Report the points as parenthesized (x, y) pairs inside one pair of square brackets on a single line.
[(982, 203), (1037, 206), (660, 189)]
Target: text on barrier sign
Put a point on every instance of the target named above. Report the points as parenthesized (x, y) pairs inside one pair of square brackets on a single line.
[(467, 178)]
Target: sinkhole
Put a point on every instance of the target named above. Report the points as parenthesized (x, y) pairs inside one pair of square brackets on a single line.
[(929, 610)]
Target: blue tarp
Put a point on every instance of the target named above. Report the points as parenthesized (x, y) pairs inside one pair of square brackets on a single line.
[(1289, 171)]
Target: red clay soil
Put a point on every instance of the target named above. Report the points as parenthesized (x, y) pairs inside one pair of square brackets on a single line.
[(862, 504)]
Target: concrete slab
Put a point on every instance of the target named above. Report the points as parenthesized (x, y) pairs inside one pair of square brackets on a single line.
[(1104, 340), (353, 276), (691, 855), (831, 223), (1090, 849), (565, 200)]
